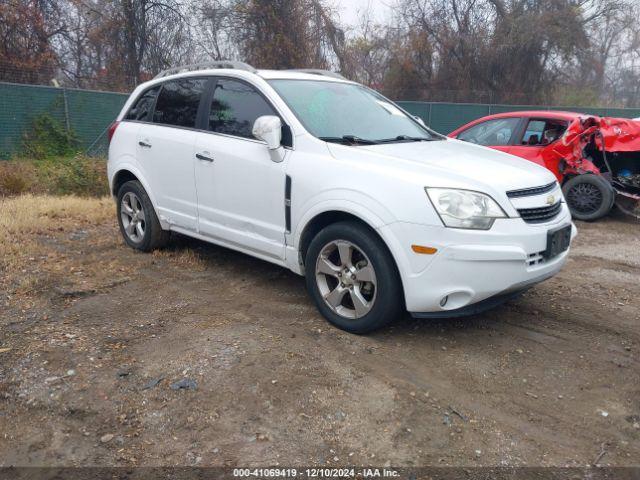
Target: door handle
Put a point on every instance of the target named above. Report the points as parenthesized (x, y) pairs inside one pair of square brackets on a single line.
[(206, 158), (144, 144)]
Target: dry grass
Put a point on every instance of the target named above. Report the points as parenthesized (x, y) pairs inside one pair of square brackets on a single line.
[(25, 260), (58, 243), (29, 214)]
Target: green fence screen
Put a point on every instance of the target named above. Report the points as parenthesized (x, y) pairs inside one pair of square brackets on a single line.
[(89, 113), (86, 113), (446, 117)]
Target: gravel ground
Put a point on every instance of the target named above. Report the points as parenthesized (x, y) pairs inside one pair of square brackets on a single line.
[(93, 352)]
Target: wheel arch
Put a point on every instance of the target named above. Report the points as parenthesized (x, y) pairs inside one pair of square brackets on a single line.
[(324, 218), (128, 173), (120, 178)]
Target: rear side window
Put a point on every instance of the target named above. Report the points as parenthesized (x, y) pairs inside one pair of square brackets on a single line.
[(495, 132), (178, 102), (141, 109), (235, 107)]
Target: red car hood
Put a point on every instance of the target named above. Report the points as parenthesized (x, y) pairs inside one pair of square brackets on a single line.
[(615, 134)]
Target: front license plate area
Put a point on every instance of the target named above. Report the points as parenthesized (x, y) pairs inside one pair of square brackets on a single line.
[(558, 241)]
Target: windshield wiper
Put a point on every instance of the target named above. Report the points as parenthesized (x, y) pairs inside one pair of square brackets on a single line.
[(349, 139), (405, 138)]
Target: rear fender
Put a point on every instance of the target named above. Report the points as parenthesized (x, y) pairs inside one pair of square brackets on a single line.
[(126, 165)]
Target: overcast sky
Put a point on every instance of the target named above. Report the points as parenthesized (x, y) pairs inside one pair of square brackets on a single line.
[(350, 9)]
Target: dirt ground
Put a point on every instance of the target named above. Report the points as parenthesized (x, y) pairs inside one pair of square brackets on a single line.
[(93, 335)]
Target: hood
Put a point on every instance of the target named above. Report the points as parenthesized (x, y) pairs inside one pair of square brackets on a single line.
[(450, 163)]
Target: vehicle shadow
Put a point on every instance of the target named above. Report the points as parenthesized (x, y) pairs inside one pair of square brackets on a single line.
[(278, 282)]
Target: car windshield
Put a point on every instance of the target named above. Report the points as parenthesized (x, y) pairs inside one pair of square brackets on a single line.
[(349, 113)]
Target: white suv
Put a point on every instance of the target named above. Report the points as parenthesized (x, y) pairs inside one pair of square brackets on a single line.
[(335, 182)]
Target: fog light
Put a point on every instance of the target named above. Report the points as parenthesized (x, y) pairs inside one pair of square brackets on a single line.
[(444, 300)]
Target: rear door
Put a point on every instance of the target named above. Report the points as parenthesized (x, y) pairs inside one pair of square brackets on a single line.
[(240, 182), (165, 149)]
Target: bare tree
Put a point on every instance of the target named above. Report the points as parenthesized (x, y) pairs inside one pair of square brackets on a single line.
[(26, 32)]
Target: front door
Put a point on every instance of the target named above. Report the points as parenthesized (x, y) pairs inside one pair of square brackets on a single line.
[(533, 144), (240, 183)]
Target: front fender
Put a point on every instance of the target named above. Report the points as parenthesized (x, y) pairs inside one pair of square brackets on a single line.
[(363, 206), (375, 217)]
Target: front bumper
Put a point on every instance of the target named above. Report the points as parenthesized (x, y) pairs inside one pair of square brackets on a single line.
[(471, 266)]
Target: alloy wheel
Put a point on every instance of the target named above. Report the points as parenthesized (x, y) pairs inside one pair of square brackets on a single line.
[(133, 217), (346, 279), (584, 198)]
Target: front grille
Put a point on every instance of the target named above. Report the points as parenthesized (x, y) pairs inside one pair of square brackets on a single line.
[(529, 192), (540, 214)]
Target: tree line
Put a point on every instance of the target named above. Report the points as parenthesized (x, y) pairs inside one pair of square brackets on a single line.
[(573, 52)]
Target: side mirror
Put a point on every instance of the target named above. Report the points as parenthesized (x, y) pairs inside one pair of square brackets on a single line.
[(419, 120), (268, 128)]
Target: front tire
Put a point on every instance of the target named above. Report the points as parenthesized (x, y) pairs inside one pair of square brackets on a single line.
[(588, 196), (352, 278), (139, 224)]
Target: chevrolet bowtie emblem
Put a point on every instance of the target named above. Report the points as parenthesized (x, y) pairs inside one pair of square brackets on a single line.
[(551, 200)]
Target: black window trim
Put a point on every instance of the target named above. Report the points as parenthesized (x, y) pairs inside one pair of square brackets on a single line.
[(205, 106)]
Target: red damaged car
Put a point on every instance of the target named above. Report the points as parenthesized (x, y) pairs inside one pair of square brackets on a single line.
[(596, 159)]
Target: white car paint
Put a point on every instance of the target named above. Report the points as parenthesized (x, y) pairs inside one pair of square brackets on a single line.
[(238, 200)]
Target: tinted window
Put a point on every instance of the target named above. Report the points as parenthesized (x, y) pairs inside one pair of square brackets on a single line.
[(143, 106), (178, 102), (543, 132), (492, 132), (235, 107)]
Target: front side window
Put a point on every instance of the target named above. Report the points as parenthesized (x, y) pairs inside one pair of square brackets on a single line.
[(543, 132), (496, 132), (141, 109), (235, 107), (337, 111), (178, 102)]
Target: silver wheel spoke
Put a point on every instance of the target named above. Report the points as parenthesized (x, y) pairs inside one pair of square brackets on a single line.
[(130, 228), (334, 298), (365, 274), (139, 230), (344, 250), (127, 209), (361, 305), (328, 268)]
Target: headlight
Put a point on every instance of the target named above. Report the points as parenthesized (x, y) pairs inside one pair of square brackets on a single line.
[(464, 208)]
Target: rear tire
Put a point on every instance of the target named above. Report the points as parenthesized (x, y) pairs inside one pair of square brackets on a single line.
[(588, 196), (139, 224), (352, 278)]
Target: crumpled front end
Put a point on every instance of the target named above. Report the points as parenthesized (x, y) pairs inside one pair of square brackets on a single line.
[(603, 146)]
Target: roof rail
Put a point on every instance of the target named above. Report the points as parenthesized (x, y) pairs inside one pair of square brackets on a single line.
[(317, 71), (205, 65)]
